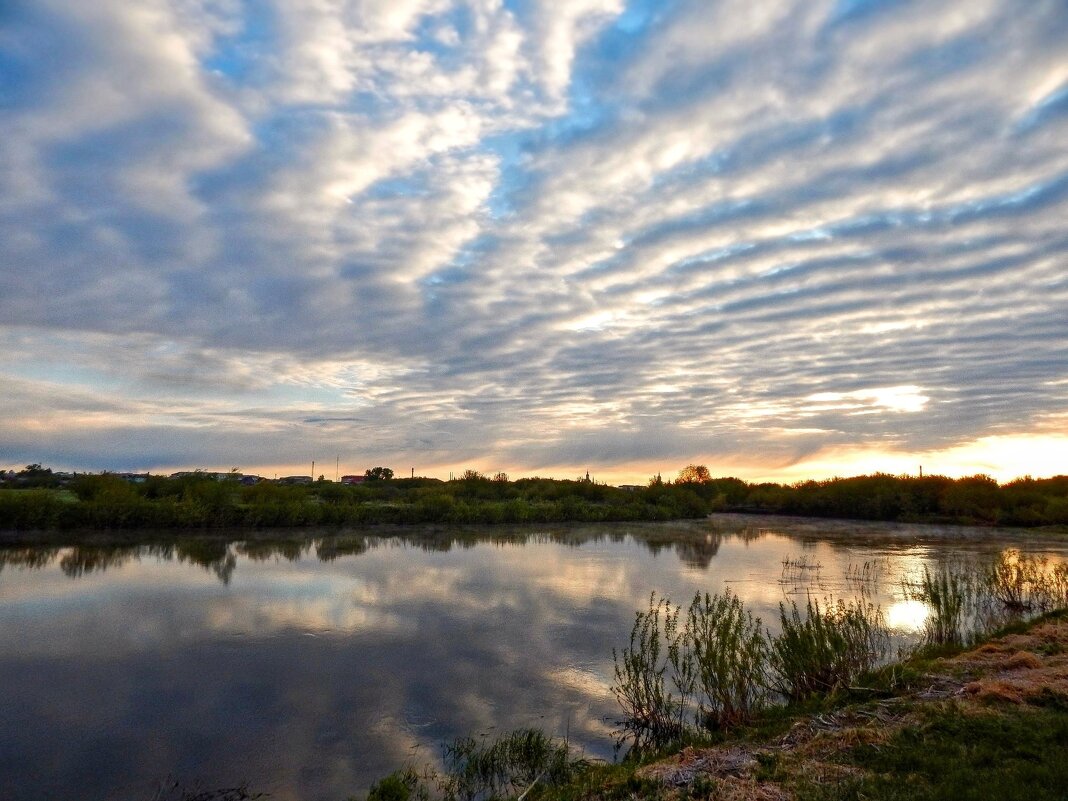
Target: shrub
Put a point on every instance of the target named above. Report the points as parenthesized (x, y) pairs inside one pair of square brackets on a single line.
[(652, 714), (724, 651)]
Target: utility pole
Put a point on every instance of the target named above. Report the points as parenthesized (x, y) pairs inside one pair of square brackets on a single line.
[(413, 472), (313, 470), (337, 468)]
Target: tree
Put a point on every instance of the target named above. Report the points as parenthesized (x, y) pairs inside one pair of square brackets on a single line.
[(693, 474), (36, 476), (378, 474), (472, 475)]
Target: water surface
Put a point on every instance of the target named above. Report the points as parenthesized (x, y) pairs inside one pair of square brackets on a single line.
[(311, 666)]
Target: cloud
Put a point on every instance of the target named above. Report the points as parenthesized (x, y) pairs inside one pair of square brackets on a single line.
[(527, 233)]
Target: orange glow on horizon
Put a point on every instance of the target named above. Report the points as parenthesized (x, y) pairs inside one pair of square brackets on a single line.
[(1003, 457)]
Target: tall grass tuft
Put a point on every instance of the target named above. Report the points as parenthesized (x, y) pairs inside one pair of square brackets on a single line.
[(400, 785), (1022, 583), (947, 594), (501, 767), (1054, 589), (1009, 578), (725, 652), (827, 648)]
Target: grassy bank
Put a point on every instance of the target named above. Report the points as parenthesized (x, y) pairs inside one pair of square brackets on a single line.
[(714, 706), (987, 722)]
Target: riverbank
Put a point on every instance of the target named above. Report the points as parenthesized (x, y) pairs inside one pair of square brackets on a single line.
[(988, 722), (814, 709), (985, 723), (755, 523)]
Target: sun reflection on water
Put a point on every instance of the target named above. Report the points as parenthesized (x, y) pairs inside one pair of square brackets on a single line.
[(907, 615)]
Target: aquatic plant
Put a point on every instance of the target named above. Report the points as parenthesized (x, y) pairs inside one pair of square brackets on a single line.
[(513, 762), (947, 594), (800, 570), (173, 790), (1008, 580), (864, 579), (1024, 583)]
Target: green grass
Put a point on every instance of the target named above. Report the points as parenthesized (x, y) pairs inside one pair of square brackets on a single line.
[(952, 755)]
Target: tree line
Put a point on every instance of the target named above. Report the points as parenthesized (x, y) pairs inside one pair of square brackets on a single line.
[(38, 499)]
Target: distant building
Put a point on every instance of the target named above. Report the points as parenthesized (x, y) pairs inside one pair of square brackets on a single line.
[(230, 475), (296, 480), (353, 479), (631, 487)]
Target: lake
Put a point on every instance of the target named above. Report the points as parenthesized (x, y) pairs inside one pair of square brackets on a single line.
[(311, 665)]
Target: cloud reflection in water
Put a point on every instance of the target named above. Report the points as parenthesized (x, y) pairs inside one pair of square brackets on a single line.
[(312, 667)]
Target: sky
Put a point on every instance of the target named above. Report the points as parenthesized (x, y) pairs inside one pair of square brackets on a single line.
[(786, 238)]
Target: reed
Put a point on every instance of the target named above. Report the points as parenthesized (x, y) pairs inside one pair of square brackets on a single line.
[(947, 593), (826, 648), (503, 766)]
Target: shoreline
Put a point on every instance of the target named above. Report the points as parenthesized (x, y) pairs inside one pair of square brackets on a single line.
[(723, 523)]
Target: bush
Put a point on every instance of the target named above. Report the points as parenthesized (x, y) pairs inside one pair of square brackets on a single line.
[(23, 510), (724, 658), (652, 714)]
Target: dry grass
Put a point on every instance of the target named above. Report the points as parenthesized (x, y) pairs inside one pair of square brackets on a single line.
[(1018, 668)]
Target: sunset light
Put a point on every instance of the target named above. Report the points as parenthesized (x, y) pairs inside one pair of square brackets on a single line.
[(791, 240)]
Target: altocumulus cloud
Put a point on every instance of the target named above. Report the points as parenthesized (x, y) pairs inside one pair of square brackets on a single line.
[(531, 234)]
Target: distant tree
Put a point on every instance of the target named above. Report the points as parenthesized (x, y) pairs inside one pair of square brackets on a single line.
[(656, 481), (502, 477), (693, 474), (35, 476), (472, 475), (378, 474)]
